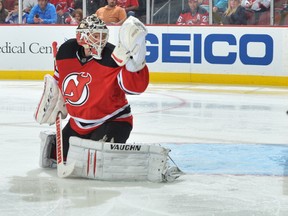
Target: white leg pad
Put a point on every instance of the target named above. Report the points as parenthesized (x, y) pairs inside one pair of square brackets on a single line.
[(47, 140), (115, 161)]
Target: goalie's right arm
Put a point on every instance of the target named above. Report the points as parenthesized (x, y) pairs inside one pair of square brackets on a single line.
[(51, 103)]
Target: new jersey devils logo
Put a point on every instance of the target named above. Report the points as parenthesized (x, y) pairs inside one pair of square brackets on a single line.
[(75, 88)]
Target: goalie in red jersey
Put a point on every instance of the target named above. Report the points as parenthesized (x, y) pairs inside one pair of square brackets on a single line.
[(93, 84), (90, 83), (195, 15)]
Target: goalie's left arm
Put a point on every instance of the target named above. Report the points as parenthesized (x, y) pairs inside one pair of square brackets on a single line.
[(133, 83)]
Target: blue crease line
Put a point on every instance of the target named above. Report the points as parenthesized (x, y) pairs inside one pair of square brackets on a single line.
[(235, 159)]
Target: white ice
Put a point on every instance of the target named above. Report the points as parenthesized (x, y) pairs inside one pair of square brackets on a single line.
[(174, 114)]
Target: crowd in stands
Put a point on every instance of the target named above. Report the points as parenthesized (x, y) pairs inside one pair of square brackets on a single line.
[(227, 12), (66, 11), (114, 12), (194, 15), (281, 12)]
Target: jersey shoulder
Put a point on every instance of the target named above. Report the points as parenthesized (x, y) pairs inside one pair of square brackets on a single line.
[(68, 49)]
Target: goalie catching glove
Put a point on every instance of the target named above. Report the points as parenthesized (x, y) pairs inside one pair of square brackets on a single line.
[(51, 103), (131, 48)]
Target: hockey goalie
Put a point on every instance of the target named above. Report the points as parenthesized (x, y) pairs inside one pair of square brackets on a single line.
[(90, 82)]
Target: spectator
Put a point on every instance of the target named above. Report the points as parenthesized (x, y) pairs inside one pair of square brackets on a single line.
[(204, 4), (3, 12), (111, 13), (195, 15), (219, 7), (28, 5), (64, 8), (9, 4), (256, 9), (130, 6), (256, 5), (235, 14), (76, 17), (13, 17), (42, 13), (281, 12)]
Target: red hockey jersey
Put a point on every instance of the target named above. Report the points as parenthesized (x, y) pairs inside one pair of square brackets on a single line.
[(200, 17), (94, 90), (127, 3)]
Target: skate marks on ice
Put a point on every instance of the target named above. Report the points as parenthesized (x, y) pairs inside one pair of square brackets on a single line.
[(42, 192), (198, 194), (221, 180)]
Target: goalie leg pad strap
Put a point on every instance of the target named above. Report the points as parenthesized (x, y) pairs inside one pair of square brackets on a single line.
[(114, 161)]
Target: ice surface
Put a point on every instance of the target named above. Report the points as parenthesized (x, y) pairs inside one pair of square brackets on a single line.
[(231, 141)]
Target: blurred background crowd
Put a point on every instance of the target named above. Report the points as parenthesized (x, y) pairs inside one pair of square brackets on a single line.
[(178, 12)]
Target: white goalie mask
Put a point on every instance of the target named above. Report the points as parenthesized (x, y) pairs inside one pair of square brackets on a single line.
[(92, 33)]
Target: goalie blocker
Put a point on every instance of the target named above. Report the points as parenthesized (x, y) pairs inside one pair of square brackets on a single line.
[(113, 161)]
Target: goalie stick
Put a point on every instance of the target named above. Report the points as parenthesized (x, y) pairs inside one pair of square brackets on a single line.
[(62, 169)]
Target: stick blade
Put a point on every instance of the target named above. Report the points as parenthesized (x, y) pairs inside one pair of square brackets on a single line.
[(64, 171)]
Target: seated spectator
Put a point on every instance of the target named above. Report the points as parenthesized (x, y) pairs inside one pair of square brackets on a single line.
[(75, 18), (204, 4), (195, 15), (64, 8), (28, 5), (3, 12), (13, 17), (130, 6), (42, 13), (111, 13), (235, 14), (9, 4), (219, 7), (281, 12), (257, 7)]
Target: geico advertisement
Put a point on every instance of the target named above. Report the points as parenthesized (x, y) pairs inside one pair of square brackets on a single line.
[(228, 50)]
